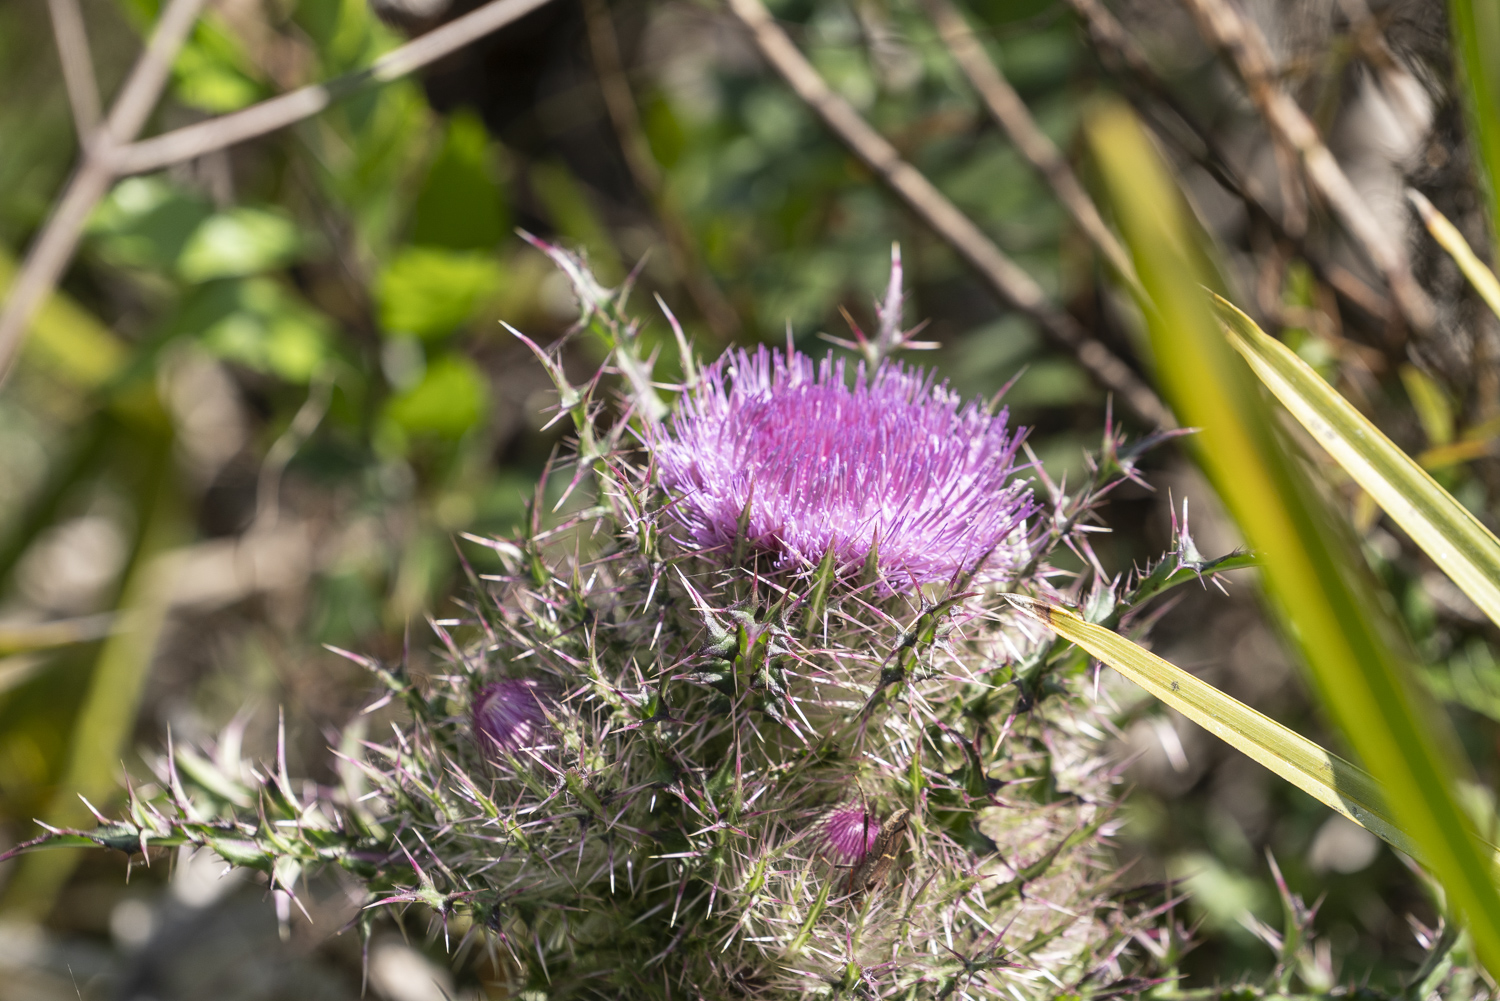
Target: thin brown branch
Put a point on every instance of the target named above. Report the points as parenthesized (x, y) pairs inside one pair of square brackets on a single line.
[(1243, 43), (1122, 56), (193, 141), (142, 89), (1012, 115), (109, 157), (1009, 281), (48, 256), (624, 115), (77, 67)]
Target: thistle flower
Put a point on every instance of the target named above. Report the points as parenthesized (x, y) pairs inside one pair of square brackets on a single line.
[(849, 833), (508, 715), (896, 465), (667, 824)]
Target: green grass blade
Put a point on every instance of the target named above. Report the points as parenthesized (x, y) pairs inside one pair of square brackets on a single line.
[(1317, 584), (1450, 239), (1327, 778), (1476, 40), (1443, 527)]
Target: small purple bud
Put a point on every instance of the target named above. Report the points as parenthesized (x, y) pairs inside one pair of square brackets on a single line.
[(850, 833), (508, 715)]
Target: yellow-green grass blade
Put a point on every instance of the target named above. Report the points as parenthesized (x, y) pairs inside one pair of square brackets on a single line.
[(1456, 540), (101, 731), (1315, 581), (1326, 777), (1450, 239), (1476, 39)]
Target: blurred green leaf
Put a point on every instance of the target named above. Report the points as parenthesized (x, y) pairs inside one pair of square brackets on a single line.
[(68, 340), (461, 205), (212, 71), (263, 326), (146, 221), (1431, 405), (107, 716), (1456, 540), (1476, 37), (1470, 678), (1316, 582), (452, 397), (429, 293), (240, 241), (572, 213)]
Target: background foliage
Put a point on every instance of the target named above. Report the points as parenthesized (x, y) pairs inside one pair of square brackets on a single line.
[(273, 393)]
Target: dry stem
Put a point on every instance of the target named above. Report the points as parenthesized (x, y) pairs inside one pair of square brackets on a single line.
[(1010, 112), (1007, 279), (111, 153), (1242, 41), (49, 255), (77, 67)]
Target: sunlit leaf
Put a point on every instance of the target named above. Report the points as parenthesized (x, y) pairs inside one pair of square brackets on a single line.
[(67, 339), (263, 326), (1456, 540), (146, 222), (1328, 778), (428, 293), (1318, 585), (212, 71), (241, 241), (450, 399)]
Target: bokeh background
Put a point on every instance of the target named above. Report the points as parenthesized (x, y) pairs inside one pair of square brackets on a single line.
[(273, 394)]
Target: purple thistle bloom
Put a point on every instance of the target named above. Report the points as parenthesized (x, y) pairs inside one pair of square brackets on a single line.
[(508, 715), (850, 833), (897, 463)]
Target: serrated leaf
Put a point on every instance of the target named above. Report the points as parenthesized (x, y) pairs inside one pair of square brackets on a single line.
[(1444, 528)]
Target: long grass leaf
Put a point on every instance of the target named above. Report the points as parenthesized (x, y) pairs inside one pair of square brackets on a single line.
[(1326, 777), (1456, 540), (1476, 40), (1318, 585), (1450, 239)]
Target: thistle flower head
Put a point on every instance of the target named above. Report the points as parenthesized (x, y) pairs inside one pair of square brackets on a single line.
[(508, 715), (849, 833), (896, 465)]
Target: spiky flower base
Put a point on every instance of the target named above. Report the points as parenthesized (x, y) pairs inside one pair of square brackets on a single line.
[(655, 772)]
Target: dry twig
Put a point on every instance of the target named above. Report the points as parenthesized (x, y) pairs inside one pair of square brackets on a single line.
[(194, 141), (49, 255), (1008, 280), (77, 66), (112, 154), (619, 101), (1242, 41), (1176, 123), (1010, 112)]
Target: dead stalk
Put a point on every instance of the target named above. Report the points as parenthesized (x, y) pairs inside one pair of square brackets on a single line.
[(1007, 279)]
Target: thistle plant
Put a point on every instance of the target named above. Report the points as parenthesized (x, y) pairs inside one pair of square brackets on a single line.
[(751, 720)]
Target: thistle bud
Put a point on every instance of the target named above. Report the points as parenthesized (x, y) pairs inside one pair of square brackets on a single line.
[(508, 715), (848, 834)]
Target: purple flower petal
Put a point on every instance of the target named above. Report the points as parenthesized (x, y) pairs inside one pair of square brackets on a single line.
[(849, 833), (897, 462), (508, 715)]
